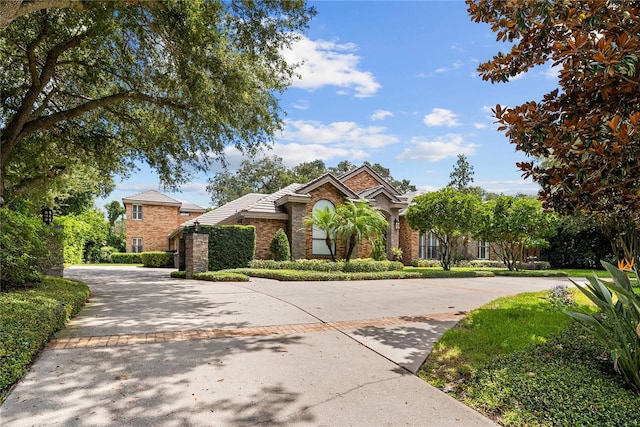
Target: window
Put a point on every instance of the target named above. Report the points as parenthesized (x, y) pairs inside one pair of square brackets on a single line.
[(319, 242), (137, 212), (136, 245), (422, 246), (184, 213), (433, 247), (483, 249)]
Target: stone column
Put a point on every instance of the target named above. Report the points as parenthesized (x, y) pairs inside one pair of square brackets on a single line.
[(196, 250), (393, 236), (298, 242)]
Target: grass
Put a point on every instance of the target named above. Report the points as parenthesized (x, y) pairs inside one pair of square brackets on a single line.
[(523, 362), (29, 318)]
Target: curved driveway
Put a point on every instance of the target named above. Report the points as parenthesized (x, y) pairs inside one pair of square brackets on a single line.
[(148, 350)]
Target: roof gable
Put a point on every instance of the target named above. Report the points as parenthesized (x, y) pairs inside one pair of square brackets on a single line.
[(368, 170), (327, 178)]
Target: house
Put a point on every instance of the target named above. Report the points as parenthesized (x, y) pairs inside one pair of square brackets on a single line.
[(287, 207), (151, 216)]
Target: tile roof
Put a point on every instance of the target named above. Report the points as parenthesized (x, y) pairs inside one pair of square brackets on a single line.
[(152, 197), (191, 207)]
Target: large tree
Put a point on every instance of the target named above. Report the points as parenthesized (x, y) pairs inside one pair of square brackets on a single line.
[(167, 82), (358, 221), (448, 214), (587, 130)]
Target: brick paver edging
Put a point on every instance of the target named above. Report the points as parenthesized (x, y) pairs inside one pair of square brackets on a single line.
[(205, 334)]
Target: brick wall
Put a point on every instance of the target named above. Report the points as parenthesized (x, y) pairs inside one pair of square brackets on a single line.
[(409, 242), (265, 230), (361, 182), (156, 225)]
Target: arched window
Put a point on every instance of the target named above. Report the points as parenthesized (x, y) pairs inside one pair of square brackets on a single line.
[(319, 243)]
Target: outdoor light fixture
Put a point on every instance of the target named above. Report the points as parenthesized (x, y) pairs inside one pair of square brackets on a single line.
[(196, 226), (47, 216), (396, 224)]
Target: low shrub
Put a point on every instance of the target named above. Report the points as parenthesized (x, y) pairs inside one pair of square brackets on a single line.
[(29, 318), (485, 263), (439, 273), (530, 273), (370, 266), (221, 276), (106, 252), (179, 274), (534, 265), (126, 258), (157, 259), (425, 263)]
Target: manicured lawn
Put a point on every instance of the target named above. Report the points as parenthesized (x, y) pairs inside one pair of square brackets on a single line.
[(28, 318), (522, 361)]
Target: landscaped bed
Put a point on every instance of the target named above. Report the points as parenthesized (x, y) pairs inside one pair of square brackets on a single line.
[(522, 361)]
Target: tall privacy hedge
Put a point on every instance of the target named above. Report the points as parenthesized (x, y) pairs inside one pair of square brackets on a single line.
[(230, 246)]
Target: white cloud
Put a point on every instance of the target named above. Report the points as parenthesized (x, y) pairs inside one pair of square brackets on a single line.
[(301, 104), (553, 72), (437, 149), (293, 154), (453, 67), (340, 134), (480, 125), (510, 187), (381, 115), (517, 77), (329, 63), (441, 117)]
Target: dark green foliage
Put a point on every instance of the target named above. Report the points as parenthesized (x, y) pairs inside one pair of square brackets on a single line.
[(563, 382), (157, 259), (126, 258), (28, 318), (230, 246), (179, 274), (23, 255), (279, 247), (221, 276)]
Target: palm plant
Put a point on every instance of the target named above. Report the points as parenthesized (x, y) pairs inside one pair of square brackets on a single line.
[(357, 221), (325, 221)]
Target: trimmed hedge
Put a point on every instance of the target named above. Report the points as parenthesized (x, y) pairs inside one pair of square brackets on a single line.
[(353, 266), (157, 259), (530, 273), (221, 276), (279, 247), (230, 246), (310, 276), (126, 258), (30, 318)]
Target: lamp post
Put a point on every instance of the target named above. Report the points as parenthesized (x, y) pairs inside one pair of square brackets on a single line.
[(196, 226), (47, 215)]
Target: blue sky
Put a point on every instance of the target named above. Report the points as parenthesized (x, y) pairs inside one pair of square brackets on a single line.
[(393, 83)]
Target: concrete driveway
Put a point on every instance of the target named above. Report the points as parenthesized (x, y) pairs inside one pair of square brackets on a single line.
[(148, 350)]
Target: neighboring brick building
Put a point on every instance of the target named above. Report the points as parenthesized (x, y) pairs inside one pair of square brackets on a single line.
[(151, 216)]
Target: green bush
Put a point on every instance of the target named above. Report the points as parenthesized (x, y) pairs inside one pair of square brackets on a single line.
[(279, 247), (221, 276), (617, 324), (425, 263), (157, 259), (126, 258), (105, 253), (486, 263), (369, 265), (179, 274), (22, 252), (29, 318), (230, 246), (530, 273)]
